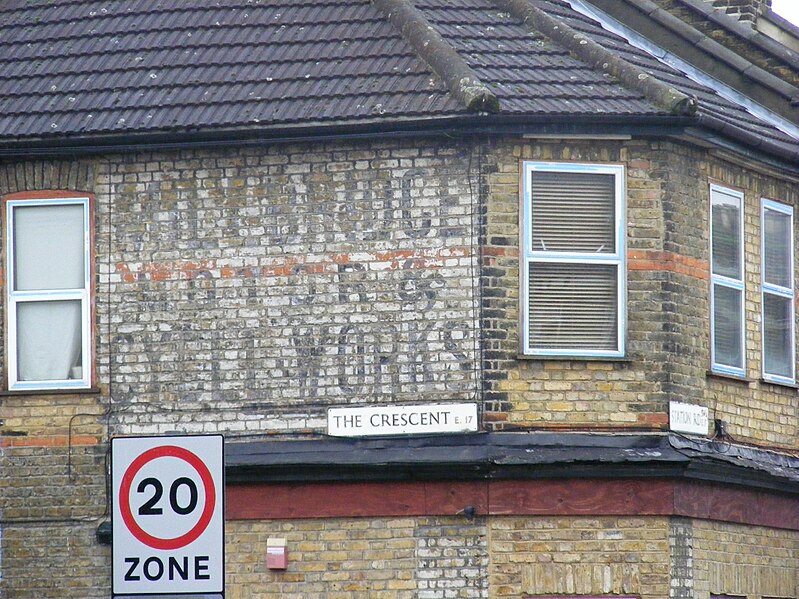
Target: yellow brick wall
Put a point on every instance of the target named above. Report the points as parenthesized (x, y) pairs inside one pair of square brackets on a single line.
[(512, 556), (668, 304), (44, 503), (754, 409), (579, 556), (352, 558), (561, 393), (668, 300), (746, 561)]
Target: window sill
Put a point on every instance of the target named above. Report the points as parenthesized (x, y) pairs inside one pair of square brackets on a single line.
[(779, 384), (574, 358), (86, 391), (729, 377)]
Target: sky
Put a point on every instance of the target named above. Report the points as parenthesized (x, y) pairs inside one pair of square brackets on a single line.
[(788, 9)]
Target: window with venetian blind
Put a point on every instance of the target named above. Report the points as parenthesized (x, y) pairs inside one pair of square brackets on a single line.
[(573, 278), (727, 281), (778, 291), (48, 292)]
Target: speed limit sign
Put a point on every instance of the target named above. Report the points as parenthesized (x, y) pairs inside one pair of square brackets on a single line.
[(168, 515)]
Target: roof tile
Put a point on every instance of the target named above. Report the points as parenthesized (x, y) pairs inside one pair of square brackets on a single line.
[(82, 67)]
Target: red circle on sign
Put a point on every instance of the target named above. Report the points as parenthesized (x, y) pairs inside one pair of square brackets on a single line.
[(165, 451)]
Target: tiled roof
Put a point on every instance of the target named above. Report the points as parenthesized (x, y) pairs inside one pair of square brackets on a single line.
[(113, 67), (718, 45), (530, 73), (86, 69)]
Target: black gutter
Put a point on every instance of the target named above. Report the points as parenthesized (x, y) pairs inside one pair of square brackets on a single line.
[(749, 139), (458, 126)]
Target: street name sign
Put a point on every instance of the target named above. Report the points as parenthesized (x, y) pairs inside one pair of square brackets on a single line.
[(168, 516), (688, 418), (402, 420)]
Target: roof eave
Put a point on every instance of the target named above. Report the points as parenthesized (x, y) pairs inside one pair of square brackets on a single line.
[(458, 125), (692, 129), (497, 456)]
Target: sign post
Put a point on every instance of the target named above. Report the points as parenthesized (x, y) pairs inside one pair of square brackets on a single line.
[(168, 516)]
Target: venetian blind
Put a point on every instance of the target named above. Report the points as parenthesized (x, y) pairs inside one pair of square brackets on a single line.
[(777, 248), (573, 306), (777, 293), (573, 212)]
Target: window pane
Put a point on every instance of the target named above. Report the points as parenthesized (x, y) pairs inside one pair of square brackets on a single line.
[(48, 340), (777, 316), (49, 247), (777, 248), (573, 306), (727, 340), (726, 236), (573, 212)]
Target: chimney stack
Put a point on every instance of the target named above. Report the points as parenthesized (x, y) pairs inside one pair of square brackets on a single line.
[(744, 10)]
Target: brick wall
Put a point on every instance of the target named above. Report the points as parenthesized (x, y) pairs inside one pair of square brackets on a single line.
[(725, 564), (244, 291), (755, 409), (580, 556), (407, 558), (261, 287), (247, 290), (667, 309), (681, 553), (560, 393), (51, 501)]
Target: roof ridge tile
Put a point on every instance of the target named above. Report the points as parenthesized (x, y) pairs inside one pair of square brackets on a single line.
[(588, 50), (462, 81)]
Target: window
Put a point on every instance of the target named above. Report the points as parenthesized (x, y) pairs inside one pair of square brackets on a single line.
[(727, 281), (48, 281), (573, 278), (778, 291)]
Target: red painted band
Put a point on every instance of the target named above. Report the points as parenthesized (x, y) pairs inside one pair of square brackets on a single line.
[(536, 497)]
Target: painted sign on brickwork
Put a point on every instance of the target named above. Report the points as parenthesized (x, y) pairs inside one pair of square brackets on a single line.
[(168, 515)]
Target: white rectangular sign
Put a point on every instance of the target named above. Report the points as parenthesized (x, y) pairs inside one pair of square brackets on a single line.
[(402, 420), (688, 418), (168, 515)]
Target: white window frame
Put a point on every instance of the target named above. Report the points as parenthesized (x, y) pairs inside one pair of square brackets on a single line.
[(14, 297), (617, 259), (778, 290), (730, 283)]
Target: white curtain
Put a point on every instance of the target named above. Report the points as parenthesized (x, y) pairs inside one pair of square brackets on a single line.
[(48, 256), (48, 340)]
